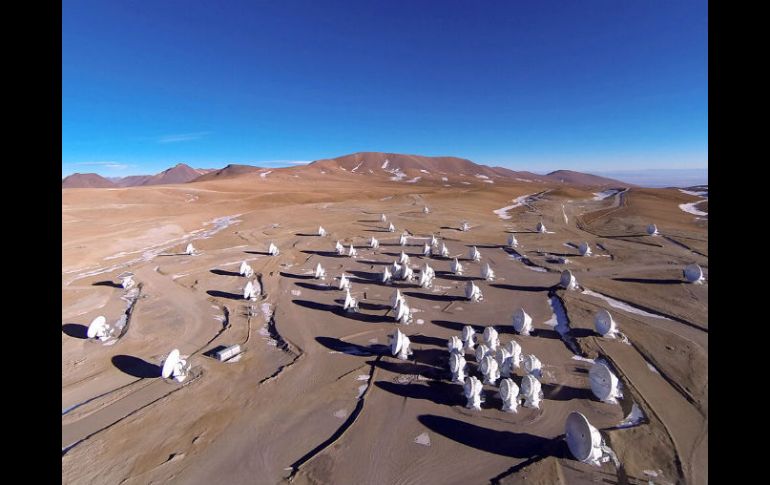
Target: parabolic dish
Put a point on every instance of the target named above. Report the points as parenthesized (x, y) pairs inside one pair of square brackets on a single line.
[(582, 438), (455, 362), (96, 326), (170, 363), (486, 363), (530, 386), (604, 323), (693, 273), (490, 334), (584, 249), (604, 383), (652, 229), (468, 333), (397, 341), (508, 389), (481, 352), (531, 363), (521, 321), (566, 280)]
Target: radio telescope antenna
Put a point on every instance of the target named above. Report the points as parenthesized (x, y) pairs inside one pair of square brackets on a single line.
[(383, 218), (391, 227), (512, 242), (189, 250), (399, 345), (352, 251), (473, 292), (273, 250), (321, 231), (242, 269), (344, 282), (456, 267), (489, 369), (249, 292), (127, 280), (457, 367), (395, 297), (584, 249), (467, 339), (522, 322), (444, 250), (426, 250), (426, 276), (374, 243), (509, 391), (403, 258), (99, 329), (503, 358), (604, 324), (533, 365), (174, 366), (386, 276), (487, 273), (693, 274), (472, 390), (403, 313), (568, 280), (425, 210), (406, 274), (491, 338), (433, 241), (320, 273), (584, 441), (465, 226), (474, 254), (455, 345), (351, 304), (481, 352), (652, 230), (604, 384), (514, 349), (402, 240), (340, 249), (540, 227), (531, 391)]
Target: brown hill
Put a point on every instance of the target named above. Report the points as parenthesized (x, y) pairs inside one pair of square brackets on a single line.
[(178, 174), (85, 180), (578, 178), (232, 170)]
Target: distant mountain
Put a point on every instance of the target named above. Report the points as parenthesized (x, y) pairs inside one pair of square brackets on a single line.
[(131, 180), (578, 178), (232, 170), (178, 174), (85, 180)]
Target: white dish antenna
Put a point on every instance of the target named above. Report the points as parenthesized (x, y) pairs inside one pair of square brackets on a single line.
[(522, 322), (425, 210), (604, 324), (402, 240), (604, 384), (474, 254), (481, 352), (491, 338), (512, 242), (391, 227), (473, 292), (503, 358), (99, 329), (652, 230), (426, 250), (514, 349), (403, 258), (531, 391), (568, 280), (374, 243), (242, 269), (344, 282), (433, 241), (339, 248), (407, 273), (127, 280), (395, 297), (489, 369), (273, 250), (468, 333), (249, 291), (321, 231), (487, 273), (584, 441), (426, 276), (540, 227), (472, 390), (693, 274), (465, 227), (457, 366), (403, 313), (509, 393), (352, 251), (395, 269), (351, 304), (455, 345), (399, 345), (444, 251), (585, 249), (320, 273), (383, 218), (386, 276), (532, 365), (189, 250), (174, 366), (456, 267)]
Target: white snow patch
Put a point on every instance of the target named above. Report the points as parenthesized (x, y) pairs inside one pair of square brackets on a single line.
[(362, 377), (488, 181), (420, 321), (444, 179), (502, 213), (414, 180), (478, 175), (362, 389), (296, 292), (583, 359), (385, 165), (634, 417), (265, 174), (423, 439), (605, 193), (523, 180), (704, 193), (690, 208), (342, 414), (356, 167), (622, 306), (652, 368), (424, 171)]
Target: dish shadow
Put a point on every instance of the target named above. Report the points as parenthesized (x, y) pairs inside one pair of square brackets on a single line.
[(223, 272), (341, 312), (326, 254), (556, 392), (649, 281), (224, 294), (260, 253), (348, 348), (432, 297), (521, 288), (296, 276), (442, 393), (75, 330), (107, 283), (316, 287), (136, 367)]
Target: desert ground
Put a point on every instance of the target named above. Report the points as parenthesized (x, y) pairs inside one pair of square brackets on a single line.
[(316, 396)]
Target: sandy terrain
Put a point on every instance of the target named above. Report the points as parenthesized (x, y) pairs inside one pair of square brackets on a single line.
[(316, 396)]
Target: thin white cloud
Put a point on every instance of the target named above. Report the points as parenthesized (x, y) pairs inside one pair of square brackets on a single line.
[(110, 165), (182, 137)]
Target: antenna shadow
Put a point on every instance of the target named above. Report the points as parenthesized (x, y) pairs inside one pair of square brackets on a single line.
[(521, 288), (446, 275), (341, 312), (134, 366), (296, 276), (427, 340), (438, 392), (75, 330), (312, 286), (376, 230), (556, 392), (326, 254), (432, 297), (406, 368), (649, 281), (260, 253), (486, 246), (107, 283), (309, 234), (458, 326), (504, 443), (224, 294), (223, 272), (367, 261), (348, 348)]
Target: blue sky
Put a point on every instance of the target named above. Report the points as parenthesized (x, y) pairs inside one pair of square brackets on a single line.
[(590, 85)]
